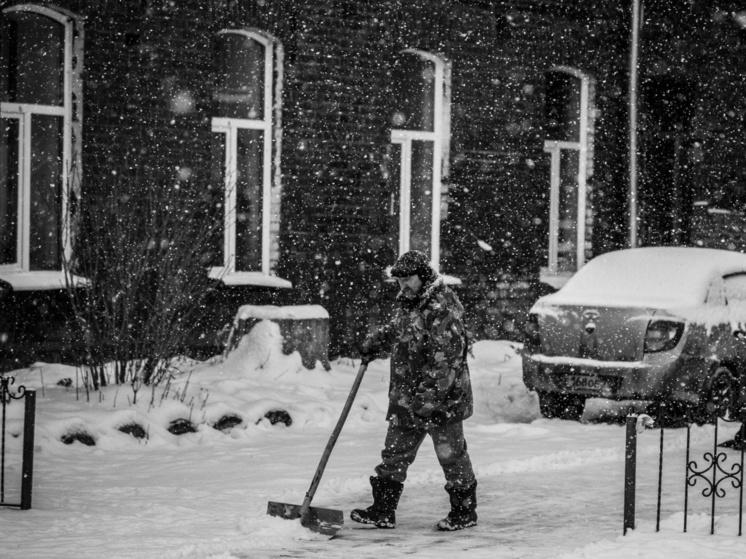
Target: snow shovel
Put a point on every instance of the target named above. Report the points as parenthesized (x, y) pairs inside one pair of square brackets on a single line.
[(323, 521)]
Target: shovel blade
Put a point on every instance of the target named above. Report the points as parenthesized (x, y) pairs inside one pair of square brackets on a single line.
[(324, 521)]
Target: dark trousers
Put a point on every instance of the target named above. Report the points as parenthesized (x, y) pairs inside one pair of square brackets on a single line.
[(402, 444)]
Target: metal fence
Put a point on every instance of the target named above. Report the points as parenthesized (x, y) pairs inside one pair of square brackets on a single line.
[(714, 474), (29, 418)]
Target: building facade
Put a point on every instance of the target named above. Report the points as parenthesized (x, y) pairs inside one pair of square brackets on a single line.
[(324, 138)]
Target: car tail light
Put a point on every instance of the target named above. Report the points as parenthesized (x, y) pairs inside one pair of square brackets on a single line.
[(533, 337), (662, 335)]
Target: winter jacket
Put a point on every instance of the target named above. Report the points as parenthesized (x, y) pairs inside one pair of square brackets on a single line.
[(428, 344)]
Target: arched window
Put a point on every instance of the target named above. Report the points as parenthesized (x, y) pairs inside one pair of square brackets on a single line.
[(245, 154), (38, 73), (569, 128), (420, 132)]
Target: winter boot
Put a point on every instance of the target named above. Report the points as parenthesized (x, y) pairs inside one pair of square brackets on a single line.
[(463, 509), (381, 513)]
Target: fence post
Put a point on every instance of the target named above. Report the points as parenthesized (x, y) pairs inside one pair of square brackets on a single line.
[(29, 420), (630, 473)]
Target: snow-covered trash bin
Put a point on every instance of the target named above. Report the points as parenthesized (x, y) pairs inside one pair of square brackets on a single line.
[(304, 328)]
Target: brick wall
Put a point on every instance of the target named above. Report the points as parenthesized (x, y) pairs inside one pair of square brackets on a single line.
[(148, 78), (718, 228), (146, 91)]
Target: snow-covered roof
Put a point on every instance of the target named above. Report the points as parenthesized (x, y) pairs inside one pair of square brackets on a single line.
[(651, 276)]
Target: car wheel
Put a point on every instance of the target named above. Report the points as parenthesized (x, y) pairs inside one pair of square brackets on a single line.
[(718, 398), (561, 406)]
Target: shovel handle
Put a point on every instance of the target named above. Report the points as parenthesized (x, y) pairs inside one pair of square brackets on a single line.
[(332, 441)]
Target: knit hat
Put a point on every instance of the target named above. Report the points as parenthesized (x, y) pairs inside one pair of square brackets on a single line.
[(411, 263)]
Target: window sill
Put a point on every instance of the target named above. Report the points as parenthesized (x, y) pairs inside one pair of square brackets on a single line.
[(248, 278), (554, 279), (40, 281), (450, 280)]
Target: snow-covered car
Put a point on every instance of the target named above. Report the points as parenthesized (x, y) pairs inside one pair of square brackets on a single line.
[(653, 324)]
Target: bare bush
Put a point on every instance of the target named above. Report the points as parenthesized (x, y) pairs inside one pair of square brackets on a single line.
[(145, 251)]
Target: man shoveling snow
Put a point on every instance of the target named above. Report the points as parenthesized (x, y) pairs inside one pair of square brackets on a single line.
[(430, 393)]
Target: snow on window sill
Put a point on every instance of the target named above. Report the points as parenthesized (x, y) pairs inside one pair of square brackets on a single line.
[(450, 280), (248, 278), (40, 281), (554, 279)]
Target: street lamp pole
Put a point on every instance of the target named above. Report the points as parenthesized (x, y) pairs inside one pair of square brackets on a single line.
[(633, 194)]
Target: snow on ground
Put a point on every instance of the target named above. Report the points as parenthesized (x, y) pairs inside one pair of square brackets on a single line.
[(547, 488)]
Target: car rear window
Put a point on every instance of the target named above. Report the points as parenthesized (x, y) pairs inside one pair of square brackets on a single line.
[(641, 277)]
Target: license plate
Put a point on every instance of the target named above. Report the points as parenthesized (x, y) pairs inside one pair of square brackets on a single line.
[(570, 378), (588, 383)]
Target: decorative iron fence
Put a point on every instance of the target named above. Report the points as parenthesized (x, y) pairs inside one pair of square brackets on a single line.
[(714, 475), (29, 419)]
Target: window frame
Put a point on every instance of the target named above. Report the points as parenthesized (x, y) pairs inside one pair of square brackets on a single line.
[(19, 273), (555, 148), (269, 125), (439, 136)]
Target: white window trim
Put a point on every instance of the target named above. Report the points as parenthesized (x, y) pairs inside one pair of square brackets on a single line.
[(42, 280), (550, 274), (439, 137), (229, 126), (23, 112)]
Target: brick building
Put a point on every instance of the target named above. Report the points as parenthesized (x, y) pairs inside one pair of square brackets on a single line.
[(325, 137)]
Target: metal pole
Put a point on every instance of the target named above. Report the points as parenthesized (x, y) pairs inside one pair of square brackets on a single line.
[(740, 498), (3, 397), (630, 467), (634, 41), (660, 484), (715, 466), (29, 419), (686, 475)]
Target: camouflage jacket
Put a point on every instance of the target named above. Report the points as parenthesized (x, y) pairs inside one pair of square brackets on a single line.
[(429, 374)]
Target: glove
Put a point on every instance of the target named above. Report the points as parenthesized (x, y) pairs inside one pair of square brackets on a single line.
[(367, 350)]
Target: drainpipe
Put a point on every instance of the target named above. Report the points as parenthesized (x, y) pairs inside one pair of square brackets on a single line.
[(634, 40)]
